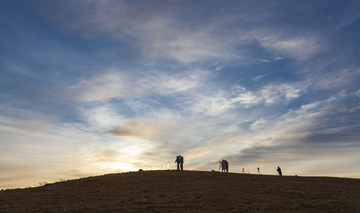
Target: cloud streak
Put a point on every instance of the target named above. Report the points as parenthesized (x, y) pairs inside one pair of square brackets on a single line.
[(138, 129), (115, 84)]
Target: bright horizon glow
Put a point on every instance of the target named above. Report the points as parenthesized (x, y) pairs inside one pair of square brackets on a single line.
[(116, 166)]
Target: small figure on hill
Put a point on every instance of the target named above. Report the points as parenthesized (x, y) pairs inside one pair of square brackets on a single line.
[(178, 162), (227, 166), (181, 162), (258, 170), (243, 170), (279, 170), (223, 165)]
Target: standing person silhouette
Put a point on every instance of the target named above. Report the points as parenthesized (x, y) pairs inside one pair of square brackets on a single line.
[(181, 162), (258, 170), (227, 166), (178, 162), (223, 165), (279, 170)]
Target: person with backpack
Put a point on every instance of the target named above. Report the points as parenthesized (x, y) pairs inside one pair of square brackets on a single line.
[(223, 165), (178, 160), (181, 162)]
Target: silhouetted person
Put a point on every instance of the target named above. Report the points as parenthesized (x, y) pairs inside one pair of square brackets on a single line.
[(279, 170), (258, 170), (181, 162), (243, 170), (226, 166), (223, 165), (178, 160)]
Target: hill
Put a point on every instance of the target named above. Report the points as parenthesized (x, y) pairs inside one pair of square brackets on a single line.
[(187, 191)]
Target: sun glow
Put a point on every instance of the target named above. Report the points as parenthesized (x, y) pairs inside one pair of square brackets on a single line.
[(136, 146), (119, 166)]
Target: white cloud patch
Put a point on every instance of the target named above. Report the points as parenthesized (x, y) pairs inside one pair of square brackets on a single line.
[(192, 48), (218, 103), (263, 60), (116, 84), (259, 77), (336, 78), (281, 43), (101, 117), (355, 108), (270, 94), (258, 124), (358, 93), (300, 48)]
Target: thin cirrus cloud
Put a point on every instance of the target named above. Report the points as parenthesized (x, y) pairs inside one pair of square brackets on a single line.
[(299, 47), (269, 94), (272, 94), (164, 37), (140, 129), (119, 84)]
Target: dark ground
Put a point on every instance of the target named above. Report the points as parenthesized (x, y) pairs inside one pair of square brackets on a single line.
[(188, 191)]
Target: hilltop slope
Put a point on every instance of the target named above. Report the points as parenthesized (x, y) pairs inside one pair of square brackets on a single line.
[(187, 191)]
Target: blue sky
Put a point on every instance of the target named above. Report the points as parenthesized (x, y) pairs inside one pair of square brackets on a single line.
[(95, 87)]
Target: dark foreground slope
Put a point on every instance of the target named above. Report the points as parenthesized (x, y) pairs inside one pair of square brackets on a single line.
[(188, 191)]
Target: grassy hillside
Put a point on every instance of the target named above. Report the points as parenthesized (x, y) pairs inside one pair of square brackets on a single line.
[(187, 191)]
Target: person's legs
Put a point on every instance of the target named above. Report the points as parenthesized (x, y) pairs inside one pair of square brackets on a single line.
[(178, 168), (181, 167)]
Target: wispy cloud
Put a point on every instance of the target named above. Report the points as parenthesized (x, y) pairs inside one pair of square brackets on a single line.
[(139, 129), (258, 124), (116, 84), (337, 78), (298, 47), (270, 94), (167, 36)]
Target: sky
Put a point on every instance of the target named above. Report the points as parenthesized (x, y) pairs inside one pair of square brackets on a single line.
[(94, 87)]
